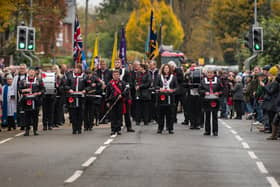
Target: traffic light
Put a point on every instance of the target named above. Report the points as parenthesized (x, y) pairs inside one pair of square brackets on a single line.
[(21, 37), (257, 39), (249, 40), (31, 39)]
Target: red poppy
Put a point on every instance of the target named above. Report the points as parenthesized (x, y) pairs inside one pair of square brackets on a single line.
[(213, 104), (162, 97), (29, 102), (70, 99)]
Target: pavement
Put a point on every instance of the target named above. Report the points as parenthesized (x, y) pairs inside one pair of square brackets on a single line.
[(236, 158)]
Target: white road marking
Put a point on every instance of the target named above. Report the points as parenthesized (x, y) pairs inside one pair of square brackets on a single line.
[(114, 136), (252, 155), (245, 145), (272, 181), (19, 134), (89, 162), (74, 177), (233, 132), (100, 150), (238, 138), (108, 141), (262, 167), (6, 140)]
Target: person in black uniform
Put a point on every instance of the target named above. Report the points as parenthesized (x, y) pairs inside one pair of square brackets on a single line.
[(76, 84), (153, 71), (166, 82), (48, 106), (143, 95), (210, 90), (105, 75), (115, 93), (93, 100), (180, 95), (125, 76), (31, 86), (133, 73), (193, 100), (59, 100)]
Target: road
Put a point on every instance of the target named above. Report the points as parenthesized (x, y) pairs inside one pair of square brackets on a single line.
[(237, 157)]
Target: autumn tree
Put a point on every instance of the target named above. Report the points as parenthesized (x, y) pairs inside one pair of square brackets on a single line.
[(48, 15), (139, 20)]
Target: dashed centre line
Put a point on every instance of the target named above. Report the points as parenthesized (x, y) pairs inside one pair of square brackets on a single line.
[(272, 181), (74, 177), (262, 167), (6, 140), (252, 155), (100, 150), (89, 162), (245, 145)]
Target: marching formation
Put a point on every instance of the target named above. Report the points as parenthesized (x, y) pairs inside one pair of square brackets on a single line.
[(140, 92)]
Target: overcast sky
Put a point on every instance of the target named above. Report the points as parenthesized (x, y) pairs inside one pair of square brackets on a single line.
[(92, 3)]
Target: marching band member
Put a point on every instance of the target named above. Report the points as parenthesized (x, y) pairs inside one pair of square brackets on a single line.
[(125, 76), (115, 96), (48, 106), (153, 71), (143, 95), (105, 75), (93, 101), (59, 100), (211, 89), (31, 88), (166, 82), (76, 88)]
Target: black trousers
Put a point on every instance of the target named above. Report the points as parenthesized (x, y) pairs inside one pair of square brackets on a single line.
[(238, 108), (127, 116), (31, 119), (11, 122), (20, 115), (89, 114), (58, 111), (195, 111), (214, 114), (116, 117), (142, 111), (153, 110), (166, 114), (48, 110), (77, 115)]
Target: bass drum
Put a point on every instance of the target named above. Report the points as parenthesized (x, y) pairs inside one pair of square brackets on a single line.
[(195, 76)]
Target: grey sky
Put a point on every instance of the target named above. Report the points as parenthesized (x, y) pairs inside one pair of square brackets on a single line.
[(92, 3)]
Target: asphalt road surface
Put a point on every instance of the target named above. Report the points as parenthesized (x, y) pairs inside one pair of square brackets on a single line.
[(236, 158)]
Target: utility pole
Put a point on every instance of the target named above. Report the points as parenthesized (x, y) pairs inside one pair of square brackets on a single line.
[(31, 14), (86, 28)]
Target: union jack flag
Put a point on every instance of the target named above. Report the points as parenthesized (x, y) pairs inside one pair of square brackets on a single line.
[(78, 42)]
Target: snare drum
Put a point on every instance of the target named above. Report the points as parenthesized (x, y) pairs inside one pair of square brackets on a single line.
[(74, 100), (165, 98)]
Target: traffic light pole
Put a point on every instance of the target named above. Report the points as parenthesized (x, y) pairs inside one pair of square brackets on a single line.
[(28, 57), (34, 56), (256, 14)]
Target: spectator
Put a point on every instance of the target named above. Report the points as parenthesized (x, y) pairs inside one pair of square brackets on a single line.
[(238, 97)]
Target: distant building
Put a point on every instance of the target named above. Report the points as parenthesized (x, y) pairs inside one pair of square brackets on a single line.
[(64, 39)]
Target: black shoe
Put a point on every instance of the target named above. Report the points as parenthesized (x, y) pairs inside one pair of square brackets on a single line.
[(112, 133), (137, 123), (9, 129), (215, 133), (119, 133), (171, 132), (146, 123), (206, 134), (79, 132), (192, 127), (26, 133), (86, 129), (49, 128), (45, 128), (35, 133), (22, 128), (74, 132), (185, 123), (159, 132), (130, 130)]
